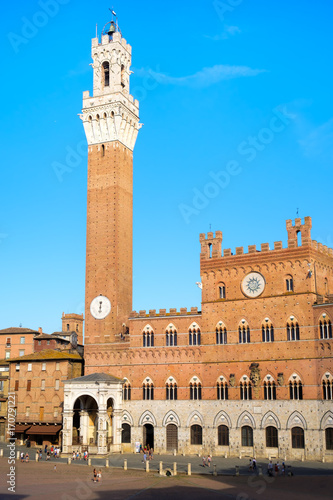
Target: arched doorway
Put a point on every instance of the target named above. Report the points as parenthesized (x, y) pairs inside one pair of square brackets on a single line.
[(85, 421), (172, 437), (148, 435)]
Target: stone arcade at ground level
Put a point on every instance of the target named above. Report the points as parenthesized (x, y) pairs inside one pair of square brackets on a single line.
[(96, 418), (92, 414)]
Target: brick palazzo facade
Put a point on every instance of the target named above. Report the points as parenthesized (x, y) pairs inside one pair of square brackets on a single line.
[(251, 374)]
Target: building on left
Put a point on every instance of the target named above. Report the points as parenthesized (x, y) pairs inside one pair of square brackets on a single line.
[(34, 368)]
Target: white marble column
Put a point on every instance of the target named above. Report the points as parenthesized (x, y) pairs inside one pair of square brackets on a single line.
[(102, 432), (84, 427), (67, 432)]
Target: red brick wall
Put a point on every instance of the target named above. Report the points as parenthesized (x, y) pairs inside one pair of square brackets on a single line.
[(109, 238)]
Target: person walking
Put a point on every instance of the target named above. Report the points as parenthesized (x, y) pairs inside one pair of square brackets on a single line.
[(99, 475), (95, 475), (204, 461), (209, 459)]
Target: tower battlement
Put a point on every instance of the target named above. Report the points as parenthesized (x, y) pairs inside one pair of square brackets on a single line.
[(105, 40), (211, 247), (163, 312), (111, 113)]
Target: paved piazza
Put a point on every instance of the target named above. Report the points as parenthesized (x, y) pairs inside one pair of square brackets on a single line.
[(75, 481)]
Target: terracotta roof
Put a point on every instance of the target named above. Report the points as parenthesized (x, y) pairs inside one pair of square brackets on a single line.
[(56, 336), (49, 336), (14, 330), (94, 377), (47, 354)]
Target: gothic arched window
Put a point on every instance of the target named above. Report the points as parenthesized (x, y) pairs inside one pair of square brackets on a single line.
[(195, 388), (292, 329), (194, 335), (221, 334), (170, 336), (148, 337), (267, 330), (147, 389), (221, 389), (244, 333), (171, 389), (295, 387)]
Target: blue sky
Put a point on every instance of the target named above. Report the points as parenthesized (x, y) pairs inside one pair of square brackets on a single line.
[(236, 101)]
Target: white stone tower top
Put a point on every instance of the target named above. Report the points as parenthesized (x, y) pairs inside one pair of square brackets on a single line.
[(111, 113)]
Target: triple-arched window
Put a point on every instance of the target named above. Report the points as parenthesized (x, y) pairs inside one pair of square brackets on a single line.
[(269, 388), (295, 387), (148, 337), (292, 329), (325, 327), (147, 389), (171, 389), (245, 388), (221, 334), (267, 331), (195, 389), (194, 335), (221, 388), (170, 336), (244, 333)]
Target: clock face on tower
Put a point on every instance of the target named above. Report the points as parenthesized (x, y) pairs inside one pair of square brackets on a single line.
[(100, 307), (253, 285)]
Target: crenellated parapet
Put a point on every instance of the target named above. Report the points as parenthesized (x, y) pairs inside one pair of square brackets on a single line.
[(298, 227), (211, 246), (163, 313)]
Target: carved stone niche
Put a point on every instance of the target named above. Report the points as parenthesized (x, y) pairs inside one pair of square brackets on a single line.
[(280, 379), (255, 374), (232, 380), (255, 379)]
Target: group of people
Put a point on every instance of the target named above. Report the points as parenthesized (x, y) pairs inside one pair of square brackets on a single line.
[(24, 457), (206, 461), (147, 452), (53, 452), (97, 475), (77, 455), (272, 469), (253, 464), (276, 469)]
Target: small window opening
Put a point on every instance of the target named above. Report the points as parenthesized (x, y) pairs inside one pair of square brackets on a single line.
[(106, 73)]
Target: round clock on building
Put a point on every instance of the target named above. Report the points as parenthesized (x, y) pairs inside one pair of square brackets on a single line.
[(253, 285), (100, 307)]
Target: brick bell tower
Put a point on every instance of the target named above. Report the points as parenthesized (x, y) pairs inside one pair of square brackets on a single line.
[(111, 123)]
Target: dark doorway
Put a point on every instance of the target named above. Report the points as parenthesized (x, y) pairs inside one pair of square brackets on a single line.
[(172, 437), (148, 435)]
